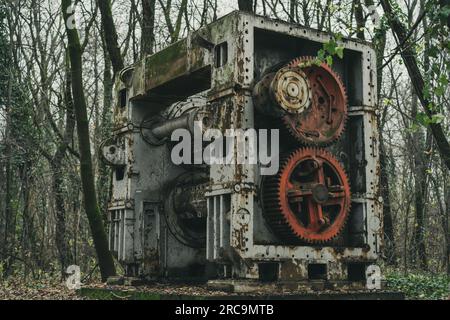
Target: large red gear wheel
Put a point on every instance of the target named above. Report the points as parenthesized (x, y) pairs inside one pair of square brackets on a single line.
[(323, 122), (309, 199)]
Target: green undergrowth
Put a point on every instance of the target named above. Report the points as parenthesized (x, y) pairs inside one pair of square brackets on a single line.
[(106, 294), (420, 285)]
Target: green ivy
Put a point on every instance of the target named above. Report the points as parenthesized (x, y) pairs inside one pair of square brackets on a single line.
[(436, 79), (420, 286), (330, 49)]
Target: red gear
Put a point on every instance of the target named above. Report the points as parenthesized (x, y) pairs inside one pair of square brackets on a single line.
[(309, 199), (323, 122)]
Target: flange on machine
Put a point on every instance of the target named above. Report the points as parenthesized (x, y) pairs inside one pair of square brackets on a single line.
[(308, 201)]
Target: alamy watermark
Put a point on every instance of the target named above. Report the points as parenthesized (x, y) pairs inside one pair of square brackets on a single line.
[(236, 146), (373, 277), (73, 280)]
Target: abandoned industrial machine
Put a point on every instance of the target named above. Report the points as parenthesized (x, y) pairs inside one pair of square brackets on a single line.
[(317, 216)]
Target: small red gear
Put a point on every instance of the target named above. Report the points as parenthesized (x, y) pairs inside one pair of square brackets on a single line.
[(323, 122), (309, 199)]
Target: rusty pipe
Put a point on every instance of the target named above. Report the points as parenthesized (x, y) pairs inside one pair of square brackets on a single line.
[(165, 129)]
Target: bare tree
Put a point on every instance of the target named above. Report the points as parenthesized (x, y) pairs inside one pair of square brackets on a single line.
[(110, 34), (174, 27), (148, 26), (410, 60), (245, 5), (104, 256)]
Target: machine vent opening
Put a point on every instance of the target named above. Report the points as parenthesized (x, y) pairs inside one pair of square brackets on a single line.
[(268, 271), (317, 271), (120, 173), (221, 54), (356, 271), (123, 98)]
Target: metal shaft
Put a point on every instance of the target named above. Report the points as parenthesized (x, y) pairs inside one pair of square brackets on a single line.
[(166, 128)]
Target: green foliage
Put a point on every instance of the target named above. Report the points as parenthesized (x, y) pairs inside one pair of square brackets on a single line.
[(21, 125), (437, 50), (444, 12), (330, 49), (425, 120), (420, 286), (382, 27), (398, 12)]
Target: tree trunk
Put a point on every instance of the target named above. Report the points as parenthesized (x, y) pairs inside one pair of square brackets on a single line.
[(446, 227), (104, 171), (105, 260), (148, 26), (444, 212), (110, 35), (62, 244), (410, 59), (405, 239), (419, 167), (9, 228), (388, 226), (174, 29), (359, 17), (245, 5), (60, 214), (293, 11), (28, 240), (7, 248)]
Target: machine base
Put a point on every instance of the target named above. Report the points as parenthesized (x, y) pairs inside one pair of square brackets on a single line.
[(202, 292), (287, 287), (131, 288)]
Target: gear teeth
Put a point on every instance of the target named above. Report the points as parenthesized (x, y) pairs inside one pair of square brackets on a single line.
[(274, 210), (291, 129)]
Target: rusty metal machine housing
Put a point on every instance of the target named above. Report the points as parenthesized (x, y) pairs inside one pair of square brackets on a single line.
[(209, 221)]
